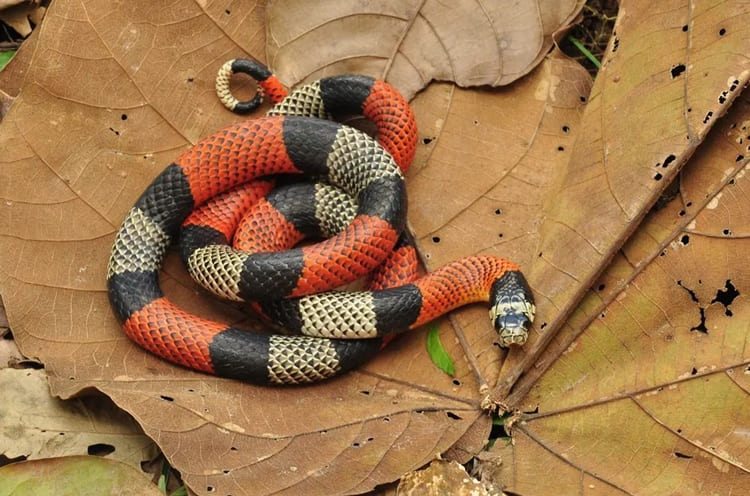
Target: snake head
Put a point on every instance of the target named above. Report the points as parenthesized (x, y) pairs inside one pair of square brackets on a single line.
[(511, 308)]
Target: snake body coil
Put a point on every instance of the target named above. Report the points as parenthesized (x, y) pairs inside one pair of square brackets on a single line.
[(294, 139)]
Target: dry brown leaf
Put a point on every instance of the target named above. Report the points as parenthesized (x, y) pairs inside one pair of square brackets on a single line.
[(21, 16), (74, 476), (10, 356), (95, 122), (410, 43), (672, 69), (35, 425), (442, 477), (649, 391), (13, 74), (4, 4), (5, 102), (506, 165)]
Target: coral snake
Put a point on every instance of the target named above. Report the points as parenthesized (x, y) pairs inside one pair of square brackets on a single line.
[(360, 205)]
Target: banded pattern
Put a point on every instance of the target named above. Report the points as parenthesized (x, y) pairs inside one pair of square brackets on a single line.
[(290, 213), (236, 155), (295, 144)]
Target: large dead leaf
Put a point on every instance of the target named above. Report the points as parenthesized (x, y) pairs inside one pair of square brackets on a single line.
[(101, 111), (672, 69), (498, 170), (410, 43), (35, 425), (649, 391)]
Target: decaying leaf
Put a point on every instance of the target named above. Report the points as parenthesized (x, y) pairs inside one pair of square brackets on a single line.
[(74, 476), (443, 477), (649, 390), (672, 70), (35, 425), (94, 122), (13, 74), (487, 162), (410, 43), (22, 15)]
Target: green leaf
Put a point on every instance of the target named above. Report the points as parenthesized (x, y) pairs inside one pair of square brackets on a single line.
[(162, 484), (500, 419), (180, 491), (585, 52), (74, 476), (437, 353), (5, 58)]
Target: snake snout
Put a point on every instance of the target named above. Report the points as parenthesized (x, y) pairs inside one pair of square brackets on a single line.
[(513, 328)]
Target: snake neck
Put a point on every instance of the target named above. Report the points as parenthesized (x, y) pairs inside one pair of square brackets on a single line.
[(458, 283)]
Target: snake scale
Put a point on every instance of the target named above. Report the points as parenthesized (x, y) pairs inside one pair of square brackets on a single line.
[(361, 204)]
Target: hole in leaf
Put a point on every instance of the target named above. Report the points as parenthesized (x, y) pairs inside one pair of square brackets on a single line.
[(690, 291), (544, 324), (601, 287), (436, 239), (365, 392), (166, 398), (566, 129), (722, 32), (685, 28), (739, 158), (227, 11), (386, 419), (100, 449), (427, 141), (456, 382), (190, 79), (453, 416), (355, 445), (583, 99), (682, 455), (701, 327), (658, 177), (727, 232), (685, 239), (560, 148), (676, 70), (726, 296), (124, 117), (709, 114), (668, 160), (498, 211), (694, 371)]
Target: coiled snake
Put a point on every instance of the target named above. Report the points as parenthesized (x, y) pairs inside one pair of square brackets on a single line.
[(218, 178)]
